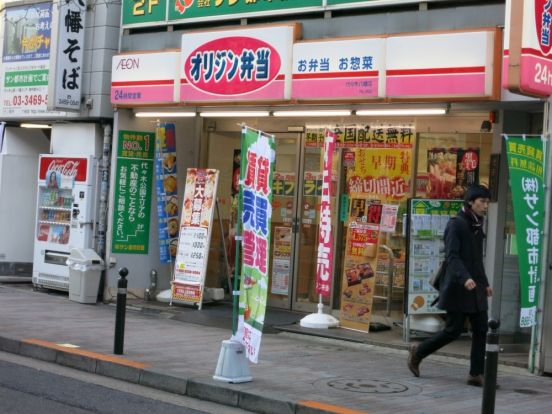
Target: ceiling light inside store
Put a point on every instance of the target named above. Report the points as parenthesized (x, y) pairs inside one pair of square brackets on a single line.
[(234, 114), (40, 126), (165, 114), (321, 112), (401, 112)]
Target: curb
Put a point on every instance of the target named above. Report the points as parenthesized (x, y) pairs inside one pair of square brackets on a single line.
[(201, 388)]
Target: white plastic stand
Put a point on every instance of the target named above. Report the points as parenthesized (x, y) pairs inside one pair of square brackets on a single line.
[(232, 365), (319, 320)]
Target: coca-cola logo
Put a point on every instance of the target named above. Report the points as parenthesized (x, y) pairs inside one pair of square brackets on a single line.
[(74, 168), (68, 168)]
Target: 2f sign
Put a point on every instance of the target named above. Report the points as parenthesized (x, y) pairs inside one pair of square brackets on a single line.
[(140, 7), (144, 11)]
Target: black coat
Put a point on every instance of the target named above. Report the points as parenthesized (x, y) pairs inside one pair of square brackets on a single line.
[(464, 260)]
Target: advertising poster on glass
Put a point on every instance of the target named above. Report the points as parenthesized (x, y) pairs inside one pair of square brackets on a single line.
[(358, 278), (257, 171), (281, 261), (195, 236), (427, 220), (133, 183), (166, 190), (451, 171)]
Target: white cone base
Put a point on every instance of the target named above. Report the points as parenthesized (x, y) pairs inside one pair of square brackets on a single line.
[(319, 321), (232, 365)]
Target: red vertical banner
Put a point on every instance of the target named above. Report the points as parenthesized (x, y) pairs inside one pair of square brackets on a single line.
[(324, 260)]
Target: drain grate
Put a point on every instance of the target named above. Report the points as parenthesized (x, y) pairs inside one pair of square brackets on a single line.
[(367, 386)]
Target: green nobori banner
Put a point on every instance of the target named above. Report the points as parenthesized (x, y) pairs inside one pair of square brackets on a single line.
[(26, 78), (148, 11), (526, 164), (133, 186)]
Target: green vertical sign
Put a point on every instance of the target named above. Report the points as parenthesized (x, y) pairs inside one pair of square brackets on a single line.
[(133, 186), (256, 175), (527, 168)]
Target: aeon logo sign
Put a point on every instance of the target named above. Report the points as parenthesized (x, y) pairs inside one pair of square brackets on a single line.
[(232, 65)]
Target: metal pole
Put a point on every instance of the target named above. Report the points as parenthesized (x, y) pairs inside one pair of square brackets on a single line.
[(120, 313), (491, 364)]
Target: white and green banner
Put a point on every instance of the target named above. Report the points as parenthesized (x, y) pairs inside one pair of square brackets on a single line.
[(256, 174), (526, 163)]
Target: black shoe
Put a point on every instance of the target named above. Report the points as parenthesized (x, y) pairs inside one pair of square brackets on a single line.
[(478, 381), (413, 360), (475, 380)]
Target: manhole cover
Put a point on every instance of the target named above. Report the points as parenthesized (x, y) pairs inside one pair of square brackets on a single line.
[(367, 386)]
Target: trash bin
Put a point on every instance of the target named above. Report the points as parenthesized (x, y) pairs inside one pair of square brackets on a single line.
[(85, 271)]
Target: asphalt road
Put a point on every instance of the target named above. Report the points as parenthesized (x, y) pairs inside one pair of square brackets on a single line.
[(28, 386)]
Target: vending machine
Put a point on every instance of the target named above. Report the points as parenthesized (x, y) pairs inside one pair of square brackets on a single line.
[(65, 216)]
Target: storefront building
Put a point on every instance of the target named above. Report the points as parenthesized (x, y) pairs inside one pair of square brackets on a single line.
[(54, 99), (414, 97)]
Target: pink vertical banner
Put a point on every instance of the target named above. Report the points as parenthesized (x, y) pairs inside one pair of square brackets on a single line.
[(324, 259)]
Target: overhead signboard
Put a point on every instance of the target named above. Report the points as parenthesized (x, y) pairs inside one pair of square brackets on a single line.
[(348, 68), (527, 62), (237, 65), (150, 12), (453, 64), (66, 67), (139, 78), (162, 12), (25, 61)]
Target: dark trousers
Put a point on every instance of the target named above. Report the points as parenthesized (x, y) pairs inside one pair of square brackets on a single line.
[(453, 328)]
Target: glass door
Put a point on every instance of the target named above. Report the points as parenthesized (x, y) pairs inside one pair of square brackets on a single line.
[(305, 297), (284, 207)]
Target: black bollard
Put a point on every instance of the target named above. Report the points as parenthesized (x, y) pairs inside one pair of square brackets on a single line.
[(491, 365), (120, 313)]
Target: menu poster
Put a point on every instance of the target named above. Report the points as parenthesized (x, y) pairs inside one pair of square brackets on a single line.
[(281, 261), (166, 189), (427, 222), (358, 278), (195, 236)]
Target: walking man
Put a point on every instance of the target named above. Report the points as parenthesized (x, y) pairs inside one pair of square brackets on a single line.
[(464, 291)]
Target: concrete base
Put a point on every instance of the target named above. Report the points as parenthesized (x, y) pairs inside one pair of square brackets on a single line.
[(232, 365), (319, 321)]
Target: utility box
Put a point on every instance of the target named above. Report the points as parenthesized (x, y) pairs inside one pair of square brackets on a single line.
[(85, 271)]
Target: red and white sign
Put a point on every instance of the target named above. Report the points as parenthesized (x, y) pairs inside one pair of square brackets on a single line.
[(456, 64), (76, 168), (324, 260), (230, 65), (348, 68), (527, 64), (144, 78)]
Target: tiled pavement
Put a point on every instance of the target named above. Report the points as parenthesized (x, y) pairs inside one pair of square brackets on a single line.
[(295, 374)]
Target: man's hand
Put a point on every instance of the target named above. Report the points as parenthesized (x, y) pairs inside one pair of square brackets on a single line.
[(470, 284), (489, 291)]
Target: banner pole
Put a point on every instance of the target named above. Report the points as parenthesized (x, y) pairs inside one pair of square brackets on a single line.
[(238, 238)]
